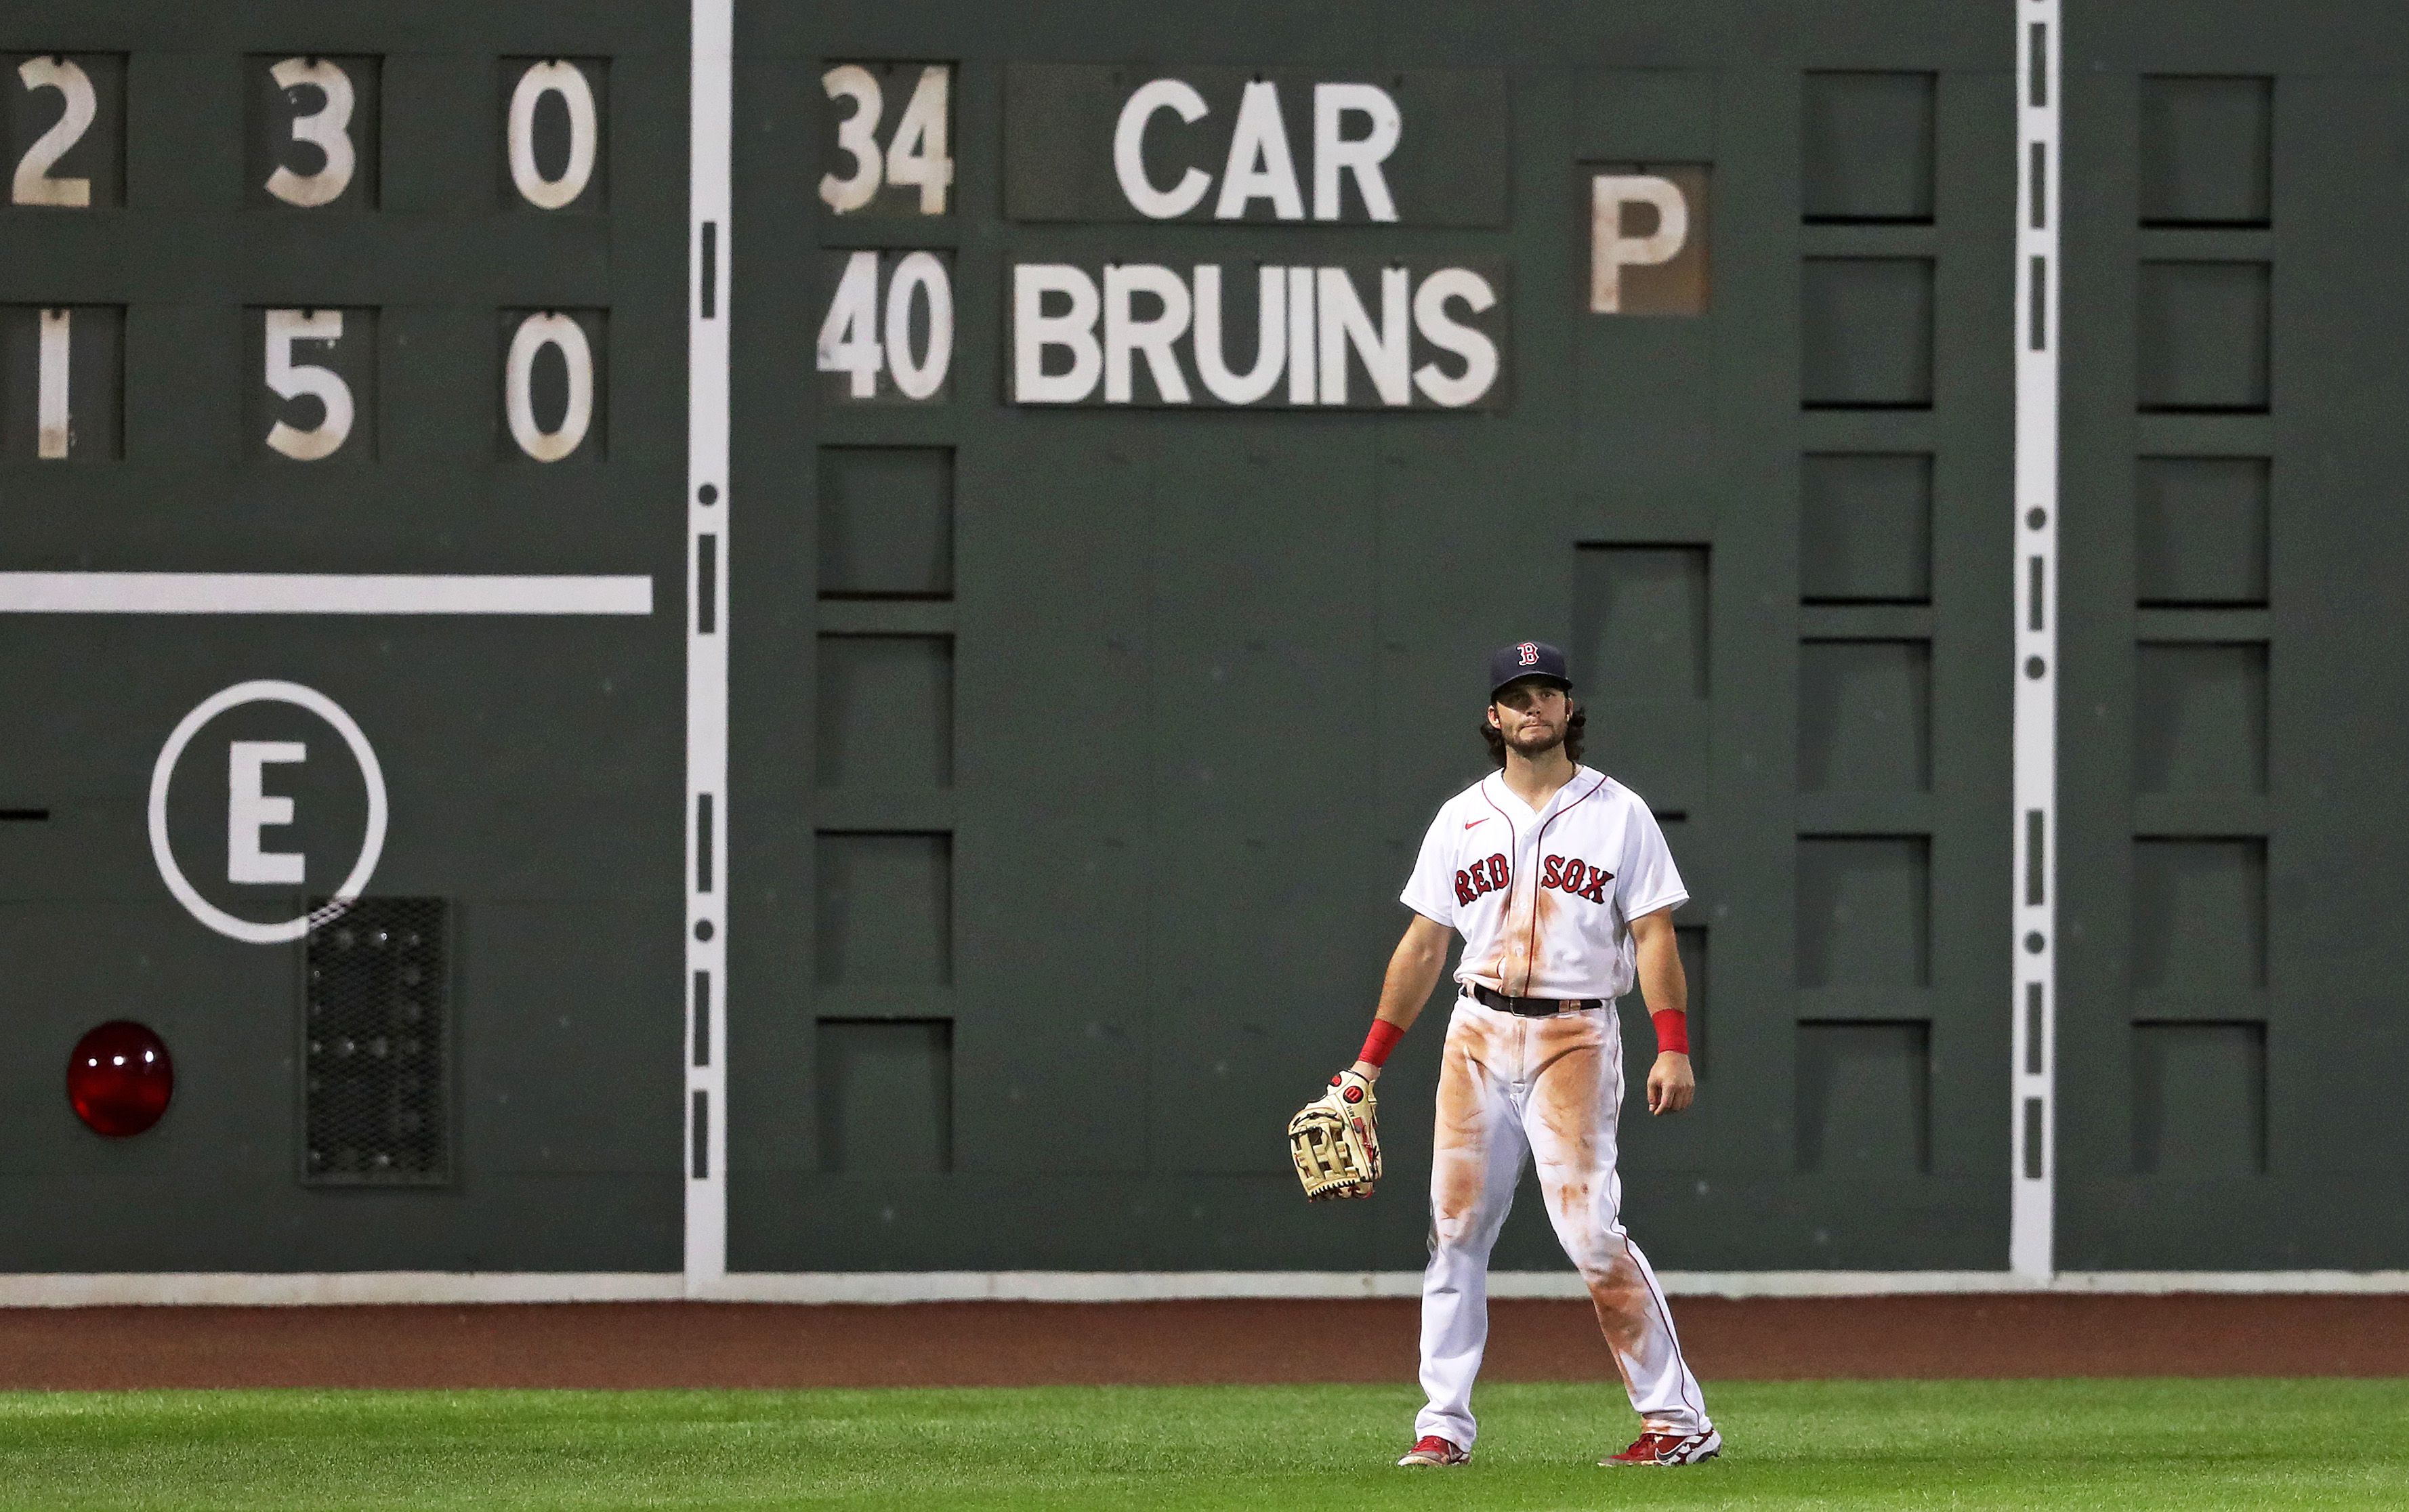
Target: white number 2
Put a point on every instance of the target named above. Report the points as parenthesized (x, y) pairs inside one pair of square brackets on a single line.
[(850, 336), (329, 128), (916, 157), (33, 184)]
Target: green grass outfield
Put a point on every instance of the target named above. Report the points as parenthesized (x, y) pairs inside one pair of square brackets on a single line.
[(2121, 1445)]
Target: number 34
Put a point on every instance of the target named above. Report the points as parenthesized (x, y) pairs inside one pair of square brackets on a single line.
[(916, 156)]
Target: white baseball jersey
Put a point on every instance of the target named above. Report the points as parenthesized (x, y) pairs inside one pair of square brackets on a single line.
[(1545, 900)]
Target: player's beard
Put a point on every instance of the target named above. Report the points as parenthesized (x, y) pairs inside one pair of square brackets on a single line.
[(1538, 742)]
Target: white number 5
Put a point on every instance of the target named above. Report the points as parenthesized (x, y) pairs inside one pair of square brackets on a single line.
[(33, 184), (291, 379), (329, 128)]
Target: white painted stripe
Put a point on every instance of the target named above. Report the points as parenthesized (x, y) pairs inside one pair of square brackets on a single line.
[(709, 505), (228, 1288), (2032, 1207), (321, 593), (388, 1287), (1075, 1286), (1106, 1286)]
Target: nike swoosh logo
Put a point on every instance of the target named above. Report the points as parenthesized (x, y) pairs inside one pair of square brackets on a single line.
[(1471, 823)]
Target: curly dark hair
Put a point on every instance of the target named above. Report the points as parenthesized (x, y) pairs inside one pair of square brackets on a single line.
[(1575, 737)]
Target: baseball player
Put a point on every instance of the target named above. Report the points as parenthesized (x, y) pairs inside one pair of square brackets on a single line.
[(1559, 881)]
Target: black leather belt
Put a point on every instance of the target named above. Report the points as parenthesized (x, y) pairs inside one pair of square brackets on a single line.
[(1532, 1007)]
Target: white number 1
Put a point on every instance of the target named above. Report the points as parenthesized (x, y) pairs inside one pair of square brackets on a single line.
[(53, 430)]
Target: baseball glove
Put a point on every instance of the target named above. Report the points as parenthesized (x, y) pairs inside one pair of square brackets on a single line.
[(1336, 1140)]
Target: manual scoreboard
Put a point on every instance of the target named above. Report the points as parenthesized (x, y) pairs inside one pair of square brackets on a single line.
[(342, 428), (676, 640), (705, 640)]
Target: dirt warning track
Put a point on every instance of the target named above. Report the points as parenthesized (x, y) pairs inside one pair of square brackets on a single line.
[(621, 1344)]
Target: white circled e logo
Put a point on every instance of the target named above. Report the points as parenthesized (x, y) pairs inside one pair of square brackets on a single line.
[(163, 772)]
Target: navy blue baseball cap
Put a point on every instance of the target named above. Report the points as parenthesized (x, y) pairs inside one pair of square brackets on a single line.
[(1526, 658)]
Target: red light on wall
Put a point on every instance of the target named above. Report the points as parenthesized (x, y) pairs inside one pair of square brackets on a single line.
[(119, 1078)]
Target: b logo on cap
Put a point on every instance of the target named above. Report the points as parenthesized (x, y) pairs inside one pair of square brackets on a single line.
[(1530, 650)]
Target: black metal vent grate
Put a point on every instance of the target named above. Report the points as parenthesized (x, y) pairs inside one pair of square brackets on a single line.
[(376, 1086)]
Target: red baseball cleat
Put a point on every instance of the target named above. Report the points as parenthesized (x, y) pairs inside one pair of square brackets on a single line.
[(1431, 1449), (1667, 1449)]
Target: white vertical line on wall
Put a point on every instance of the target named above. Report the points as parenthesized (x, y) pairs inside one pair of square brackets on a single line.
[(2033, 1118), (704, 1155)]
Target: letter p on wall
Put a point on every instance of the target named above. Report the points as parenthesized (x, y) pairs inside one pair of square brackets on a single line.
[(1648, 239)]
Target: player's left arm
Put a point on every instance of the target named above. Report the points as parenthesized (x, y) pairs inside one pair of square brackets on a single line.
[(1672, 1085)]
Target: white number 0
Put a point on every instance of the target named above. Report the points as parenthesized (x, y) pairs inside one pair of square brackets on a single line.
[(567, 80), (33, 184), (917, 156), (534, 334)]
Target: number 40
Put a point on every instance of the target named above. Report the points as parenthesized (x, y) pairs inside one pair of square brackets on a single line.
[(850, 336)]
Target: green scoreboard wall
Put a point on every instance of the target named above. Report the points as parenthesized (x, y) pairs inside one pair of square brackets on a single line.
[(2235, 653), (1105, 817), (531, 759), (872, 601)]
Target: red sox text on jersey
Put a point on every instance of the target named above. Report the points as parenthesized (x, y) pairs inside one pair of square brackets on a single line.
[(1505, 875), (1566, 873)]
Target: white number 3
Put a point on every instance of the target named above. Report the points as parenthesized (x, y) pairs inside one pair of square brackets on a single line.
[(329, 128), (855, 135)]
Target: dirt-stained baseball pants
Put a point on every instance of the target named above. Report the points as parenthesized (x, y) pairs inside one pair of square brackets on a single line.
[(1548, 1087)]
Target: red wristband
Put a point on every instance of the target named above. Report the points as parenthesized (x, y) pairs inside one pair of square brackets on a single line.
[(1380, 1041), (1672, 1031)]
